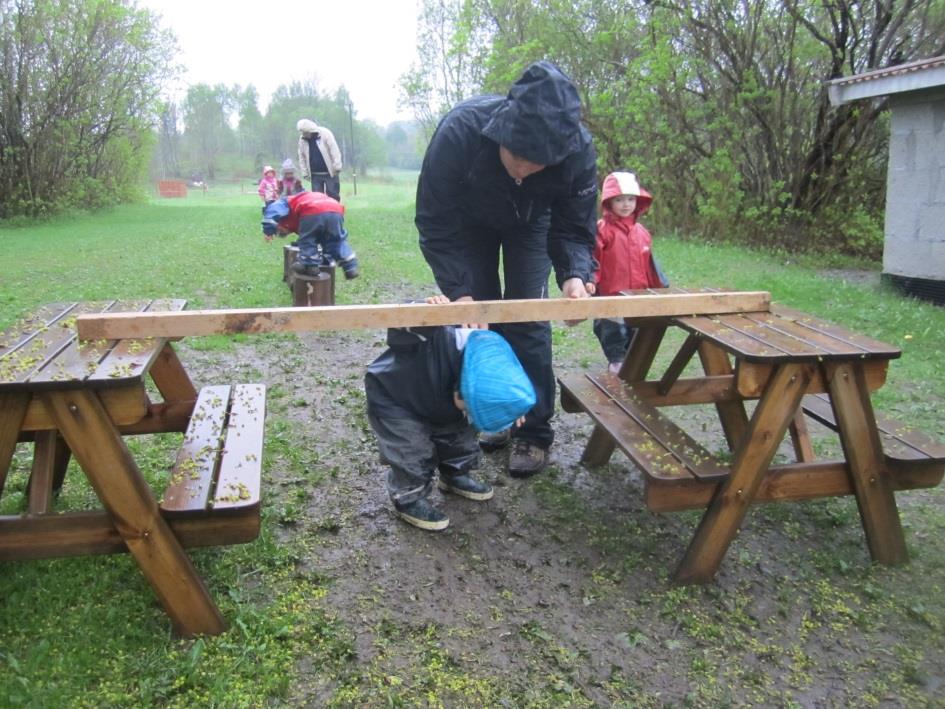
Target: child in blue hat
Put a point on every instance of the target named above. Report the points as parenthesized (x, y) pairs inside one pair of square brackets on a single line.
[(427, 396)]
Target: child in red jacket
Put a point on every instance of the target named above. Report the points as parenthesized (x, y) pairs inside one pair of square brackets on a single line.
[(625, 256)]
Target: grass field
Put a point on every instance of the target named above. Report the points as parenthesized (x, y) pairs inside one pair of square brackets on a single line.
[(87, 631)]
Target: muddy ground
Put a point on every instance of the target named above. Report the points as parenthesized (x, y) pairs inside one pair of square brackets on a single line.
[(558, 590)]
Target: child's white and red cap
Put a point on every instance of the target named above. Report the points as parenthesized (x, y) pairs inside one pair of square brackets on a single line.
[(618, 183)]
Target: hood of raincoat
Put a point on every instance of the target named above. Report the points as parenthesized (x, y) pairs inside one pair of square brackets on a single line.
[(618, 183), (540, 119), (267, 169)]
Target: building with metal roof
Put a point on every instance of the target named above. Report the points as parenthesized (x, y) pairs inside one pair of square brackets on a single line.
[(914, 244)]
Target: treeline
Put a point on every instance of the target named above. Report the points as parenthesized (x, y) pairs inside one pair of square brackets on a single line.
[(81, 115), (78, 80), (220, 130), (719, 105)]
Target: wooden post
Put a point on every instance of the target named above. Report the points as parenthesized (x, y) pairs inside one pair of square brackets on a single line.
[(289, 255), (308, 291)]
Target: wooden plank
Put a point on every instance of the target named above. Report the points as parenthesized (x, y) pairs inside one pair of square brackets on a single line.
[(863, 451), (78, 361), (731, 413), (642, 351), (241, 466), (678, 364), (677, 442), (735, 494), (13, 405), (346, 317), (800, 438), (751, 377), (130, 358), (901, 442), (102, 454), (191, 483), (27, 327), (33, 354), (43, 472), (93, 532), (763, 330), (125, 403), (161, 418), (170, 377), (600, 447), (660, 448), (854, 339), (689, 390), (786, 483)]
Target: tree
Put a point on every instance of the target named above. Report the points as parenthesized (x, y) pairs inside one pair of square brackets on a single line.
[(451, 45), (720, 105), (206, 119), (79, 83)]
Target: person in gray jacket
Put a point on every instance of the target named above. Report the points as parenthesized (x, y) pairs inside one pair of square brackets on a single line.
[(515, 176), (319, 157)]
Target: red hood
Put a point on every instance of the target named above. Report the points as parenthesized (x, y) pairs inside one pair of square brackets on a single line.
[(618, 183)]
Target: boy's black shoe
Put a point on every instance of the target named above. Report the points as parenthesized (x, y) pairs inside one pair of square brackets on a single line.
[(526, 459), (490, 442), (423, 515), (305, 269), (466, 486), (350, 267)]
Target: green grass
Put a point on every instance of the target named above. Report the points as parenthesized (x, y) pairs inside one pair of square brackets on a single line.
[(88, 632)]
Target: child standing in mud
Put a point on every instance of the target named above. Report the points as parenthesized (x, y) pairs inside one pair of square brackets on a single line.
[(624, 252), (426, 397)]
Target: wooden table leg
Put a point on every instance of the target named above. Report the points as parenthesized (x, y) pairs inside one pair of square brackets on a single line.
[(50, 458), (111, 470), (600, 446), (753, 455), (731, 413), (864, 453), (800, 439), (12, 412), (171, 378)]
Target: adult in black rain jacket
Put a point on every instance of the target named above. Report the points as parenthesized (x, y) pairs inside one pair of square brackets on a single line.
[(516, 176)]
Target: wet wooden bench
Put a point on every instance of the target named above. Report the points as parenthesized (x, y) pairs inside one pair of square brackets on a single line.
[(913, 458), (218, 470), (679, 473)]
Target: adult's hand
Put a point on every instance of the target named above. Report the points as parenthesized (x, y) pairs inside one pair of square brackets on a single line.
[(474, 325), (576, 288)]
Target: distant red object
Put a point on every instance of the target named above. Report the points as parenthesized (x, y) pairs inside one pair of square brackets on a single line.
[(172, 188)]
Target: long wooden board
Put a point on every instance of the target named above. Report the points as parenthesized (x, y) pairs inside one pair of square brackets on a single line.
[(347, 317)]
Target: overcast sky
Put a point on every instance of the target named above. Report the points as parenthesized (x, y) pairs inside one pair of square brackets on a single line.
[(364, 45)]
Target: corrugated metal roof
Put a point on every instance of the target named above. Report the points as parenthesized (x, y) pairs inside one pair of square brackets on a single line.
[(914, 76), (918, 65)]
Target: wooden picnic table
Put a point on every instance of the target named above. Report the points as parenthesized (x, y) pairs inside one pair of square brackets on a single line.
[(792, 364), (71, 398)]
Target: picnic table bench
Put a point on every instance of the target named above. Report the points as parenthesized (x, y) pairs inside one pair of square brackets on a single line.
[(793, 365), (71, 398)]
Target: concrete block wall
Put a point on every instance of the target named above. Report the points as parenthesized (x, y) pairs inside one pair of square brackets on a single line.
[(915, 197)]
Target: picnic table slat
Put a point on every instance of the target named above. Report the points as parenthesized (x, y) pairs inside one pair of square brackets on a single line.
[(26, 327), (680, 444), (855, 339), (35, 353), (128, 358), (77, 361), (193, 473), (239, 477)]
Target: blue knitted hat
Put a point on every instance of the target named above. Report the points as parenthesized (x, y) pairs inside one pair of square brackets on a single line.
[(493, 384)]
